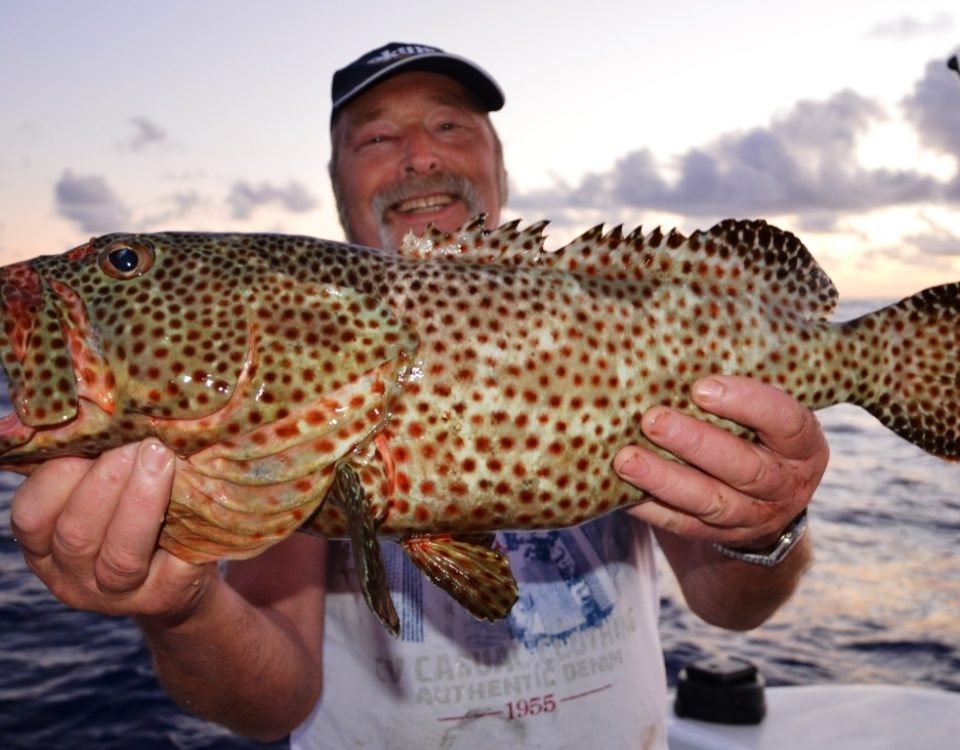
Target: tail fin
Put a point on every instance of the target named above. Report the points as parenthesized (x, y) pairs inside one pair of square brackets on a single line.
[(916, 389)]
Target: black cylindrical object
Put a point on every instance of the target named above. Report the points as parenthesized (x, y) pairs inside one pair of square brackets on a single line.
[(723, 690)]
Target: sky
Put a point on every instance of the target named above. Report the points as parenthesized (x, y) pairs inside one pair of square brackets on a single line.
[(838, 120)]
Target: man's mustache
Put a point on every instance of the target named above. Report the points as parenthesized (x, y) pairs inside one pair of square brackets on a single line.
[(421, 185)]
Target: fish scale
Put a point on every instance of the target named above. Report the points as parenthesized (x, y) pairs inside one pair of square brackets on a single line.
[(468, 383)]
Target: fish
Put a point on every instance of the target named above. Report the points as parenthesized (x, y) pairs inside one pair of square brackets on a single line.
[(470, 382)]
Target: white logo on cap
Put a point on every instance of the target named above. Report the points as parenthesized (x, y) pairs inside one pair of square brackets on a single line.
[(407, 50)]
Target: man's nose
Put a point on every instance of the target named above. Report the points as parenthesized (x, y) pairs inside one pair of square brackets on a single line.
[(420, 155)]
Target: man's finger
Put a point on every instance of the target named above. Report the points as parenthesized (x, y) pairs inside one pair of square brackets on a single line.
[(691, 503), (782, 423), (39, 501), (130, 541), (79, 530)]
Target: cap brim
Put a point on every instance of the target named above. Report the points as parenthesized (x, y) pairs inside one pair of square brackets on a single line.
[(475, 78)]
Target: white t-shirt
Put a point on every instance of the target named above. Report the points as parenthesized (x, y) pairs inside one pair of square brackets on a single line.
[(577, 664)]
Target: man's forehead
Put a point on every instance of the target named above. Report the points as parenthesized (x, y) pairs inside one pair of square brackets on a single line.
[(403, 89)]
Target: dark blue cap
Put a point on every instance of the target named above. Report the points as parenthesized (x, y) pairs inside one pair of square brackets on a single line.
[(400, 57)]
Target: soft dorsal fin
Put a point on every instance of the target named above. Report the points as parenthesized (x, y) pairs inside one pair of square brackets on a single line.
[(734, 257)]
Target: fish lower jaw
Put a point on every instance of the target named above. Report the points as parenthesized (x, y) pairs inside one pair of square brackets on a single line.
[(77, 436)]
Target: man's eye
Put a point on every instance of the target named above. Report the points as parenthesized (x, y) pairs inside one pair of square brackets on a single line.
[(374, 140)]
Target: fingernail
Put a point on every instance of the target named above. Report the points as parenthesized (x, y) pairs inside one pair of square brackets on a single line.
[(660, 423), (632, 467), (154, 457), (708, 389)]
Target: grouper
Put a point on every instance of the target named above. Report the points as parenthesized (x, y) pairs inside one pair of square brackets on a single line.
[(468, 383)]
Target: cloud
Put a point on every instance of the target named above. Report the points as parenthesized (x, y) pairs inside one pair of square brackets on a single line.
[(934, 108), (175, 207), (89, 201), (245, 198), (147, 134), (936, 242), (805, 161), (910, 27)]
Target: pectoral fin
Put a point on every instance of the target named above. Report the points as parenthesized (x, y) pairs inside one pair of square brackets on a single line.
[(467, 568), (348, 495)]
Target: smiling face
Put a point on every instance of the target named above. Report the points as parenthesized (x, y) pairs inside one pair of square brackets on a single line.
[(415, 149)]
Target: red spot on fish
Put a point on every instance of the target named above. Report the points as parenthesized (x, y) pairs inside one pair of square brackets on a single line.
[(286, 431), (323, 445)]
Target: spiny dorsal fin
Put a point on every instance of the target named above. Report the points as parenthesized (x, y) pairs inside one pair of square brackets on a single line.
[(471, 243), (733, 258)]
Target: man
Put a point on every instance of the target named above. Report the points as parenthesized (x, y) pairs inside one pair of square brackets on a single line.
[(284, 634)]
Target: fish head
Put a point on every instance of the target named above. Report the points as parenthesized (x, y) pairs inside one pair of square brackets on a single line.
[(108, 340)]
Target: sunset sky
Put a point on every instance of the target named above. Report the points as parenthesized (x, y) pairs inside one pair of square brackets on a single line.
[(838, 120)]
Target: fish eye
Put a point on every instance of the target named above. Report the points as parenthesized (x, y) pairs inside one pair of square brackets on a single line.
[(126, 260)]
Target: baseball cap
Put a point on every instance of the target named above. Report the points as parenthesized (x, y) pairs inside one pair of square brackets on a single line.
[(400, 57)]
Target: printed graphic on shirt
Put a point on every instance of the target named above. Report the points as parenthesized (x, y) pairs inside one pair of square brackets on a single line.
[(567, 579), (578, 654), (567, 582)]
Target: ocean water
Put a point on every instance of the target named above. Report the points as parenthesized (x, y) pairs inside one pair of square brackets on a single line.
[(881, 605)]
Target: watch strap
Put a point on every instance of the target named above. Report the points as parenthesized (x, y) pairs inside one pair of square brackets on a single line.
[(775, 555)]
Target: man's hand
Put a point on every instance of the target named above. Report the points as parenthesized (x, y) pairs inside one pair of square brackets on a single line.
[(730, 490), (89, 530)]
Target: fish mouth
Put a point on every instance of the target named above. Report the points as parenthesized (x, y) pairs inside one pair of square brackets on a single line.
[(39, 328), (6, 405), (41, 345), (13, 432), (25, 443)]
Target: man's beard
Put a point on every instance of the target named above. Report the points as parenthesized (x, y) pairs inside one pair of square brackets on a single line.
[(455, 185)]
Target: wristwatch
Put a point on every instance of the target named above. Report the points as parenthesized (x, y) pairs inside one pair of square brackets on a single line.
[(776, 554)]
